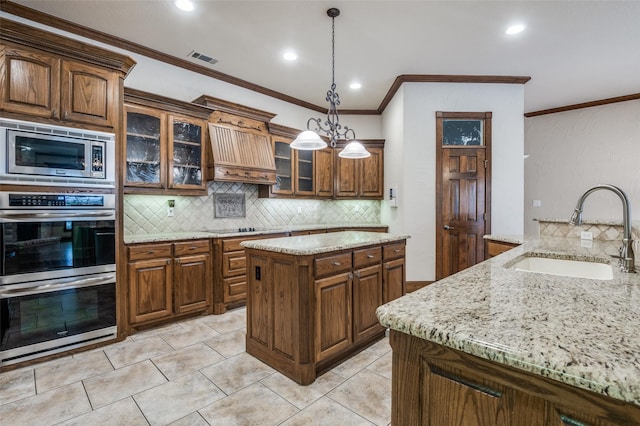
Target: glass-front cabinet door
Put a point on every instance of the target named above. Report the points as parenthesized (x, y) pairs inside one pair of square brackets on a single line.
[(144, 148), (304, 172), (284, 166), (186, 143)]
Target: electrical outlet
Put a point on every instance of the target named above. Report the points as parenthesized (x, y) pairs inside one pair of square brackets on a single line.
[(586, 235), (537, 203), (299, 210), (170, 212)]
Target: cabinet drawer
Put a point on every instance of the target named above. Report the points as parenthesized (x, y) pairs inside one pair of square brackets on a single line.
[(234, 263), (331, 265), (366, 257), (235, 289), (150, 251), (495, 248), (191, 247), (393, 251)]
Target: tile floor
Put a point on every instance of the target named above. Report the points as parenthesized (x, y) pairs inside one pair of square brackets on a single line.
[(194, 372)]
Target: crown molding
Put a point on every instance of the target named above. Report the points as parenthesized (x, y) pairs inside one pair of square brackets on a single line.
[(582, 105)]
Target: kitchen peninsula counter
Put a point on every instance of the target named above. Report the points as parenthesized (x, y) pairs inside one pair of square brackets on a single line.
[(571, 346), (311, 299)]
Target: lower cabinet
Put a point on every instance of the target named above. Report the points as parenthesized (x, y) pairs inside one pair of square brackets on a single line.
[(437, 385), (306, 313), (168, 279)]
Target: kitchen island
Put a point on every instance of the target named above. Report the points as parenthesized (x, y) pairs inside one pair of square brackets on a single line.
[(492, 345), (311, 300)]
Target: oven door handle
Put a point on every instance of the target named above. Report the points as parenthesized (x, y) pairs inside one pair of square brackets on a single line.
[(56, 215), (47, 288)]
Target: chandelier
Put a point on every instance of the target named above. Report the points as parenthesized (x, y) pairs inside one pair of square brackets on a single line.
[(331, 128)]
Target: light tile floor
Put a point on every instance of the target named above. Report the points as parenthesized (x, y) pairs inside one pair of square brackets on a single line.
[(195, 372)]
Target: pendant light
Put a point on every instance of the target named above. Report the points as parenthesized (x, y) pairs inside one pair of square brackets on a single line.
[(331, 128)]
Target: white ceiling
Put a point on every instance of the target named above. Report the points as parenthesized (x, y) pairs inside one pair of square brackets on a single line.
[(574, 51)]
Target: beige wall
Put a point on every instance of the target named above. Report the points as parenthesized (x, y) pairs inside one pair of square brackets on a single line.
[(571, 151)]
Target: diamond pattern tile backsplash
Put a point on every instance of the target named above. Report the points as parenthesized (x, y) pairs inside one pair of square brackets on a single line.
[(147, 214)]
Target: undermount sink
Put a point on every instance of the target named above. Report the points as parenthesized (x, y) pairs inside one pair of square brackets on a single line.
[(564, 267)]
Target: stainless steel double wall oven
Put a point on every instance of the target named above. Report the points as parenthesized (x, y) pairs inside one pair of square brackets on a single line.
[(57, 245)]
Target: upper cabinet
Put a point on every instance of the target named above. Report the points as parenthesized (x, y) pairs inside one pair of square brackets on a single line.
[(297, 171), (361, 178), (64, 82), (165, 145), (240, 143)]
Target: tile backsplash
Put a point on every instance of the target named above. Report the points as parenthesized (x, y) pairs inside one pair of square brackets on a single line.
[(147, 214), (601, 230)]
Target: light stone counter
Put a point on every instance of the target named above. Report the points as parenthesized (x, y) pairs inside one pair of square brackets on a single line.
[(322, 243), (194, 235), (513, 239), (582, 332)]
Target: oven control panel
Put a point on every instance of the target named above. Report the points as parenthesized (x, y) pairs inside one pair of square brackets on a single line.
[(56, 201)]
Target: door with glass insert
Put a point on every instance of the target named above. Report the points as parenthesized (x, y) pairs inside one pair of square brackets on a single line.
[(145, 152)]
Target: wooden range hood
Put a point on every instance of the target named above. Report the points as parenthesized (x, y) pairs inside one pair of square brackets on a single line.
[(240, 143)]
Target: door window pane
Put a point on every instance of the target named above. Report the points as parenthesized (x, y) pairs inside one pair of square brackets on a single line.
[(462, 132)]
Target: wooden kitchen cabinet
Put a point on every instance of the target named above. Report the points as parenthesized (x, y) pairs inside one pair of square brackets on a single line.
[(324, 303), (360, 178), (394, 272), (62, 85), (150, 282), (435, 385), (165, 145), (295, 170), (494, 247), (168, 279)]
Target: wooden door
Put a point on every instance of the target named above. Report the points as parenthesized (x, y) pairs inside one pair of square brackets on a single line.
[(332, 315), (30, 82), (324, 172), (192, 282), (89, 94), (371, 174), (367, 296), (150, 288), (462, 202)]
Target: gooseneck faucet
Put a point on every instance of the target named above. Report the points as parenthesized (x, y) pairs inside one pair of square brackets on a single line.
[(627, 261)]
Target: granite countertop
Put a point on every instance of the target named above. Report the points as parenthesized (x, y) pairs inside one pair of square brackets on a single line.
[(583, 332), (513, 239), (194, 235), (322, 243)]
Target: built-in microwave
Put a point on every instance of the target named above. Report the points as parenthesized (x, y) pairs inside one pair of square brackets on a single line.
[(42, 154)]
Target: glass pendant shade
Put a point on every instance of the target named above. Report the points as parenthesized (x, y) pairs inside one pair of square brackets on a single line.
[(308, 140), (354, 149)]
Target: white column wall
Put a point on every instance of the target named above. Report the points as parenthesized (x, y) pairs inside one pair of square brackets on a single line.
[(416, 214)]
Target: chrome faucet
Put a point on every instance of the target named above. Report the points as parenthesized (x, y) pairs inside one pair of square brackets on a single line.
[(626, 256)]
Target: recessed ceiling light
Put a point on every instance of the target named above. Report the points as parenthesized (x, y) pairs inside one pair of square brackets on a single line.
[(186, 5), (355, 85), (290, 55), (515, 29)]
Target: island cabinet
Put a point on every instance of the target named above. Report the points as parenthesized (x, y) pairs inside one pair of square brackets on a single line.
[(230, 271), (309, 311), (66, 83), (168, 280), (436, 385), (165, 145)]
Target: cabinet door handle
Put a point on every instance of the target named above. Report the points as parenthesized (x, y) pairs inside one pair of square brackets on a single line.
[(370, 256), (168, 261), (453, 377), (357, 274), (151, 252), (54, 113), (448, 227), (570, 421), (66, 115), (193, 247), (336, 263), (396, 251)]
